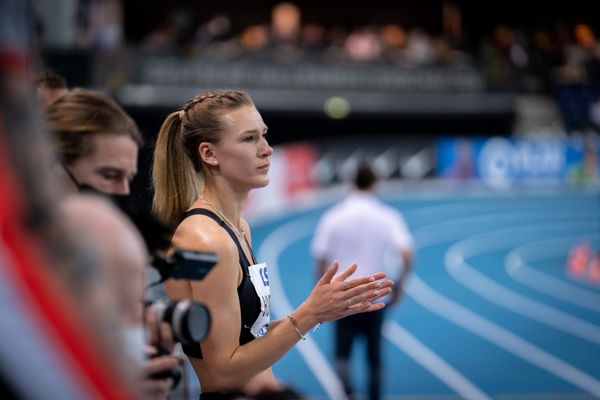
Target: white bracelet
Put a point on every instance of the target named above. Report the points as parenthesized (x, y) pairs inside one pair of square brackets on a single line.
[(295, 326)]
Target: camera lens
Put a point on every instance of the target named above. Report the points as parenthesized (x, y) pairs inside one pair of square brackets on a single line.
[(189, 320)]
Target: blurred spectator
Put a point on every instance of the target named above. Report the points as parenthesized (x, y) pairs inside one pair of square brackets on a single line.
[(285, 24), (216, 28), (496, 59), (175, 32), (419, 50), (313, 38), (335, 39), (96, 141), (393, 36), (363, 44), (445, 54), (103, 24), (160, 38), (116, 246), (452, 24), (254, 38), (120, 250), (50, 86)]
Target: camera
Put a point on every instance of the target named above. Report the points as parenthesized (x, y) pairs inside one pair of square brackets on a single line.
[(189, 320)]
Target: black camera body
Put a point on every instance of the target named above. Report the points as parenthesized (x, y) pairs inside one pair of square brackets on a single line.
[(184, 264)]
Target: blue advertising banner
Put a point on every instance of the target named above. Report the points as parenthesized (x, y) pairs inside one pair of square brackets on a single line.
[(502, 162)]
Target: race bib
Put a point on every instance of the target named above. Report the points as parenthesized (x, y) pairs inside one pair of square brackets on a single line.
[(260, 280)]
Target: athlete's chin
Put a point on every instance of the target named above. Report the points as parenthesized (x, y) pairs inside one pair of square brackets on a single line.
[(259, 182), (263, 182)]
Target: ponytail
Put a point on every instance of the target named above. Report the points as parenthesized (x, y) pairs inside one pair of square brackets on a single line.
[(176, 183)]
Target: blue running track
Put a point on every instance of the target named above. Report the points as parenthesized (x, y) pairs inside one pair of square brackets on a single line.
[(490, 311)]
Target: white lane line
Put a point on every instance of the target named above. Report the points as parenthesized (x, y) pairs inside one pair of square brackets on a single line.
[(437, 366), (517, 266), (495, 334), (447, 230), (500, 206), (499, 336), (400, 190), (485, 287), (270, 249)]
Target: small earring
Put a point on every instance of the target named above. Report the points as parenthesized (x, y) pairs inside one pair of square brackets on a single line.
[(215, 162)]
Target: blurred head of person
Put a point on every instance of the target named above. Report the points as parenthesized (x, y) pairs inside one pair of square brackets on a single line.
[(95, 140), (50, 87), (285, 23), (119, 250), (364, 179)]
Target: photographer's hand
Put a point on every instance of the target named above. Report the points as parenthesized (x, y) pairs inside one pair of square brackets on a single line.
[(158, 380), (153, 388), (159, 332)]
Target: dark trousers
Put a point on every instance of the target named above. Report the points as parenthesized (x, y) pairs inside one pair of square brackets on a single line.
[(215, 396), (346, 330)]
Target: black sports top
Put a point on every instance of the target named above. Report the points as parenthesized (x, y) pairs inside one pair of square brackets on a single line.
[(249, 301)]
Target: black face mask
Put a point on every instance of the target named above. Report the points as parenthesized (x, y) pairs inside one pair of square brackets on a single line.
[(81, 187), (121, 200), (155, 234)]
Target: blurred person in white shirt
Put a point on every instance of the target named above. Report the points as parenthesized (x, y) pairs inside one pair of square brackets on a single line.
[(362, 229)]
